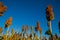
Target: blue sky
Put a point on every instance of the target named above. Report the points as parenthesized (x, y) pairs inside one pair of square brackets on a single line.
[(29, 12)]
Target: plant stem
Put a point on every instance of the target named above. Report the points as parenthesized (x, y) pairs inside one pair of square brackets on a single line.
[(50, 27)]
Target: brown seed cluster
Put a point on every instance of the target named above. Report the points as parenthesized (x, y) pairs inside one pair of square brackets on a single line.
[(49, 13), (8, 22), (2, 8)]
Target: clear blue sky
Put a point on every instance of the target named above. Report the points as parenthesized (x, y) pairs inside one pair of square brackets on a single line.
[(29, 12)]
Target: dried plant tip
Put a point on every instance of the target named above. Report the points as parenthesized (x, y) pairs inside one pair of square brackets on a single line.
[(27, 27), (23, 28), (2, 9), (0, 29)]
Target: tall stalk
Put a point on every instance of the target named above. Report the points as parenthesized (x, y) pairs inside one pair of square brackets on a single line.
[(38, 28), (49, 16), (32, 32), (7, 24)]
